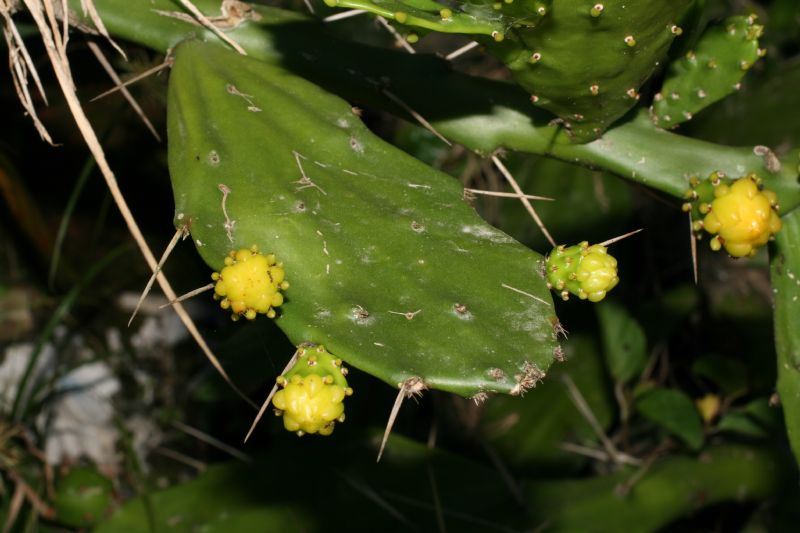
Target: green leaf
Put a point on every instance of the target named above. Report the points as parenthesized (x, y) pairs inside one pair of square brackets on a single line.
[(624, 341), (729, 374), (672, 488), (389, 267), (674, 411), (785, 273)]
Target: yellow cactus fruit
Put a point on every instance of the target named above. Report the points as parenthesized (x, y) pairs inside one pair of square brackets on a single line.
[(250, 283), (742, 217), (588, 272), (312, 393), (597, 273)]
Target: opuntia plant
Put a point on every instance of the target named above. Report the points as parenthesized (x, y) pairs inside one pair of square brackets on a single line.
[(398, 224)]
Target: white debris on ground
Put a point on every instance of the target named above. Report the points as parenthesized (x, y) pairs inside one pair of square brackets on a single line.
[(160, 328), (79, 419), (15, 360)]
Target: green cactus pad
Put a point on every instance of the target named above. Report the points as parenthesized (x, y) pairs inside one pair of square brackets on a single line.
[(583, 270), (390, 268), (712, 71), (585, 63)]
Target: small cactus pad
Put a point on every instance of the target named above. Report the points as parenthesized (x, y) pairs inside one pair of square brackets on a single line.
[(588, 272), (585, 61), (742, 217), (250, 283), (713, 70), (312, 392), (390, 268)]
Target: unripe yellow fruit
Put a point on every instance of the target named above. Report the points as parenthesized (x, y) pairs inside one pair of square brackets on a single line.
[(742, 217), (312, 393), (250, 283)]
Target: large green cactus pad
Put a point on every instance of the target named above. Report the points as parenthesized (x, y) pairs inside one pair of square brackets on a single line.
[(389, 268), (587, 65), (712, 71)]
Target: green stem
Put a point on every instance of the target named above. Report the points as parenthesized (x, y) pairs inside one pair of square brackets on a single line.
[(670, 489), (786, 289)]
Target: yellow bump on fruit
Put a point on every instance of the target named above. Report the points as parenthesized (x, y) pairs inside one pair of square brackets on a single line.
[(310, 405), (597, 273), (249, 284), (401, 17), (742, 217), (446, 14)]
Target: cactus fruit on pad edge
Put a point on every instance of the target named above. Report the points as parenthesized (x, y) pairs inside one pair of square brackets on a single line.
[(390, 269)]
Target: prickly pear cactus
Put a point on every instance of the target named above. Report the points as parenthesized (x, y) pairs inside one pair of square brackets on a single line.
[(584, 61), (583, 270), (390, 269), (710, 72), (741, 214)]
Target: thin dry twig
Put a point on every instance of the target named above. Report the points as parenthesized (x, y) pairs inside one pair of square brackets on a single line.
[(585, 451), (212, 441), (501, 194), (190, 294), (89, 9), (22, 67), (419, 118), (612, 240), (583, 407), (344, 15), (461, 51), (272, 392), (200, 466), (61, 68), (175, 238), (158, 68), (398, 38), (521, 195), (372, 495), (529, 295), (211, 26), (101, 58), (410, 387)]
